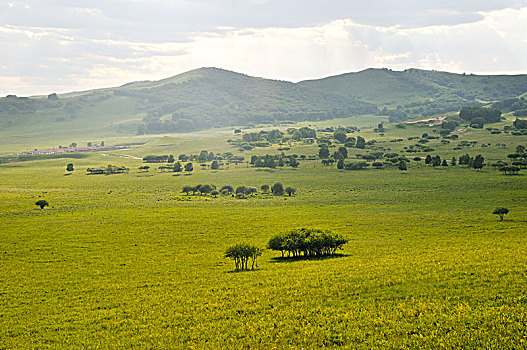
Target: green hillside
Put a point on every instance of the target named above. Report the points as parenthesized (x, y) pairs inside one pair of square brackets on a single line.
[(211, 97), (415, 92)]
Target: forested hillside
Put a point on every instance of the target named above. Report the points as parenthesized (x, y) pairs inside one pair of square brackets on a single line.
[(211, 97)]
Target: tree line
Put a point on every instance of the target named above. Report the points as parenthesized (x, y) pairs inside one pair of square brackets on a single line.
[(241, 191)]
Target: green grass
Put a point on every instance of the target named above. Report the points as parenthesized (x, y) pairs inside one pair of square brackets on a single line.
[(128, 261)]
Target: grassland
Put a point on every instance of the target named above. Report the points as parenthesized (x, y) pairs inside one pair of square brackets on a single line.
[(128, 261)]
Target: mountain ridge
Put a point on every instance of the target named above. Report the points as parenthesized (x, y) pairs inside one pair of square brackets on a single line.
[(214, 97)]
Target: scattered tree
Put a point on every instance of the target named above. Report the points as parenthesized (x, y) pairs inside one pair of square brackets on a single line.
[(69, 167), (215, 165), (189, 167), (277, 189), (42, 203), (500, 212), (178, 167), (265, 188), (361, 143), (290, 191), (323, 152)]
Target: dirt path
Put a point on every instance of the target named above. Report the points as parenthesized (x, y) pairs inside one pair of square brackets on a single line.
[(431, 121), (121, 156)]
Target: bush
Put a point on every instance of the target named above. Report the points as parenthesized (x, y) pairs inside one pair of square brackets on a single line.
[(42, 203)]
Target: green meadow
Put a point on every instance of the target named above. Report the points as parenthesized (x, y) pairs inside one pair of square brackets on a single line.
[(128, 261)]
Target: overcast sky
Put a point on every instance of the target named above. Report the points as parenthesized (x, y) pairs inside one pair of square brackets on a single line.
[(59, 45)]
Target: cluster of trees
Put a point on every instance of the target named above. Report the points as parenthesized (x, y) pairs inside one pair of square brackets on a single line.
[(205, 156), (177, 167), (271, 136), (518, 161), (477, 162), (159, 159), (241, 191), (520, 123), (512, 104), (110, 169), (478, 116), (242, 255), (272, 161), (307, 242), (342, 151), (302, 133)]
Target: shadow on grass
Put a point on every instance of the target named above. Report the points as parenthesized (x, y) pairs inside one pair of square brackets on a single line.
[(291, 259), (242, 271)]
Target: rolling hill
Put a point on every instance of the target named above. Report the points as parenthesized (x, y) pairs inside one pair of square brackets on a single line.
[(212, 97)]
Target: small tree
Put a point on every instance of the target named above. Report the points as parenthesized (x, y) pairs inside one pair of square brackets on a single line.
[(144, 168), (500, 212), (187, 189), (265, 188), (290, 191), (215, 165), (206, 189), (227, 189), (323, 152), (361, 143), (189, 167), (242, 254), (340, 164), (340, 136), (402, 166), (478, 162), (177, 167), (42, 203), (277, 189), (171, 159), (69, 167)]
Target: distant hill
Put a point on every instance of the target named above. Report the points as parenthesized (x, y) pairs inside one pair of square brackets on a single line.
[(415, 92), (211, 97)]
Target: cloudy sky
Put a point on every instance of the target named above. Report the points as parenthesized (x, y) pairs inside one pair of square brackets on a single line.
[(66, 45)]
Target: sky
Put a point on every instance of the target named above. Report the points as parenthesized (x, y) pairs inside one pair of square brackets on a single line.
[(71, 45)]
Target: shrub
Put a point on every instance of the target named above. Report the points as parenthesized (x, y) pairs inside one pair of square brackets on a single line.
[(42, 203)]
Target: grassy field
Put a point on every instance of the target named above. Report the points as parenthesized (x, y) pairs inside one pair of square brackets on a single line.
[(126, 260)]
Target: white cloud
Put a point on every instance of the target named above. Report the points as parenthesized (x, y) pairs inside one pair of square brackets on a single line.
[(39, 59)]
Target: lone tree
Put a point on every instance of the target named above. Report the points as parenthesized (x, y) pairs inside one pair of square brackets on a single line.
[(215, 165), (42, 203), (500, 212), (290, 191), (242, 254), (69, 167)]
